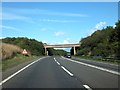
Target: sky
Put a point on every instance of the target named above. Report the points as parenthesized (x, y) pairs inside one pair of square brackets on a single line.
[(56, 22)]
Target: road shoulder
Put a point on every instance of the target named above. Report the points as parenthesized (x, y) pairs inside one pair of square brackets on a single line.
[(12, 70)]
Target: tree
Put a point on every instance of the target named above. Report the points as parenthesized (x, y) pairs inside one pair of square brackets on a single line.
[(103, 42), (31, 45)]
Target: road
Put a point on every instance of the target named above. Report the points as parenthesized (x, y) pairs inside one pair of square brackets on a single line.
[(59, 72)]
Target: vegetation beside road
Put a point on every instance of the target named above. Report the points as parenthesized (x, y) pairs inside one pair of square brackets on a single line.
[(56, 52), (98, 59), (33, 46), (12, 48), (12, 55), (18, 59), (9, 50), (104, 43)]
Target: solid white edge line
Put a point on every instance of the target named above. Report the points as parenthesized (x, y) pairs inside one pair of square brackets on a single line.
[(100, 68), (11, 76), (67, 71), (87, 87)]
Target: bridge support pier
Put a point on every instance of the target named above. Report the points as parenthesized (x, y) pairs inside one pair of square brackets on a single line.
[(74, 51), (46, 52)]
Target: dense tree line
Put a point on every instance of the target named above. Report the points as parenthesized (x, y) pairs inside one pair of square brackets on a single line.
[(31, 45), (103, 43), (60, 52)]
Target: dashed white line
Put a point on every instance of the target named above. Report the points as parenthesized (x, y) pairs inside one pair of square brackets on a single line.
[(55, 59), (11, 76), (100, 68), (64, 68), (87, 87), (58, 63), (67, 71)]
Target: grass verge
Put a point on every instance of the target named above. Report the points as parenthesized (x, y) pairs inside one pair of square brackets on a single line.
[(19, 59), (98, 59)]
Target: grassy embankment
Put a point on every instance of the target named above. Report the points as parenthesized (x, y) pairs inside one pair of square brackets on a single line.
[(98, 59), (18, 59), (11, 56)]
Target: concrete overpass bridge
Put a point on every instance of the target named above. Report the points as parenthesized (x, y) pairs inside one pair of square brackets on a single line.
[(61, 46)]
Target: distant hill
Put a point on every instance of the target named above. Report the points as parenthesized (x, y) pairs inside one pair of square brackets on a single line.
[(33, 46), (9, 50)]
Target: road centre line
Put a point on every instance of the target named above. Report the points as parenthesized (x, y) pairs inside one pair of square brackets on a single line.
[(55, 59), (64, 68), (100, 68), (67, 71), (11, 76), (87, 87), (58, 63)]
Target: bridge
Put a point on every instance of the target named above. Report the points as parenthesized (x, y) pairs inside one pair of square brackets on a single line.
[(61, 46)]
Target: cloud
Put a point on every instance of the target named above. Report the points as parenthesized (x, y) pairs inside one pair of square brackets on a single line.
[(59, 21), (44, 41), (9, 27), (59, 33), (26, 15), (65, 41), (2, 37), (65, 14), (44, 29), (114, 26), (44, 12), (98, 26), (11, 16)]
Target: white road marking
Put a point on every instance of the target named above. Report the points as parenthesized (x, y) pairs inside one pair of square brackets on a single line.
[(58, 63), (11, 76), (64, 68), (100, 68), (55, 59), (67, 71), (87, 87)]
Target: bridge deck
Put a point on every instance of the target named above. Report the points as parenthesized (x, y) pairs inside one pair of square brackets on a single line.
[(61, 45)]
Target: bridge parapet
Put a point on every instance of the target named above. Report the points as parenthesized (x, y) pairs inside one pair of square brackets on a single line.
[(61, 46)]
